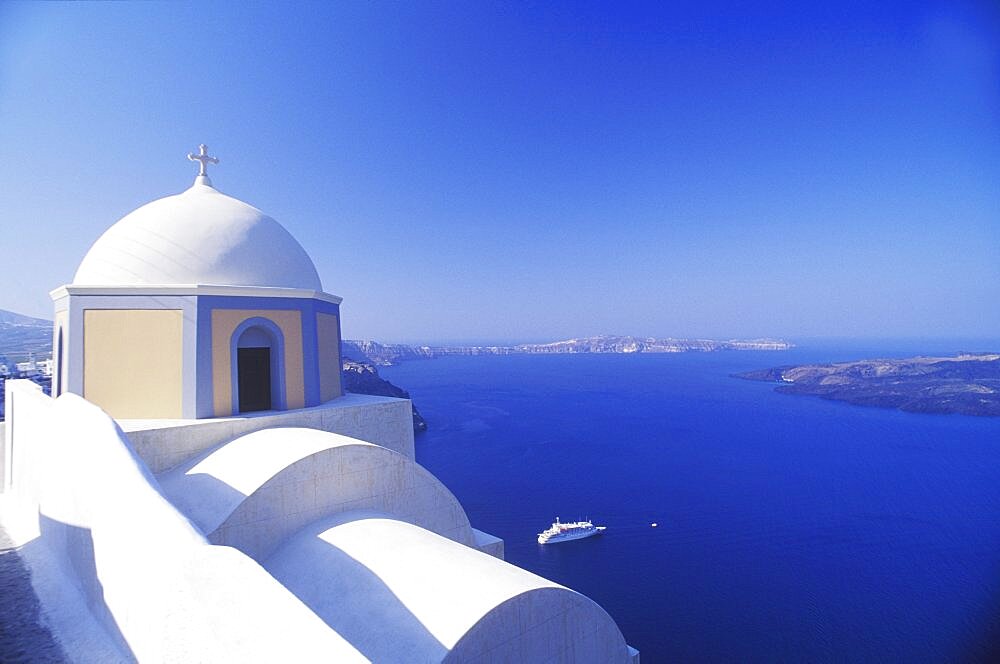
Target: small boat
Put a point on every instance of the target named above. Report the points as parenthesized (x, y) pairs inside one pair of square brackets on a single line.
[(564, 532)]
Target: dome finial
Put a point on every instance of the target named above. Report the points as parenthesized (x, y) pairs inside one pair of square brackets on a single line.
[(204, 160)]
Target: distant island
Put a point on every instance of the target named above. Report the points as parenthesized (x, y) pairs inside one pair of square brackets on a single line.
[(388, 354), (967, 384)]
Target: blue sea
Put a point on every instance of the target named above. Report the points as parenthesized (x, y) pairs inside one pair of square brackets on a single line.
[(790, 528)]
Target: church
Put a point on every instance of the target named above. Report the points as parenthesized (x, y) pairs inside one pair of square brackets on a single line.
[(199, 487)]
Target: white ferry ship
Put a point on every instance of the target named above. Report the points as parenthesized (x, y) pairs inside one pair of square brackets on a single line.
[(564, 532)]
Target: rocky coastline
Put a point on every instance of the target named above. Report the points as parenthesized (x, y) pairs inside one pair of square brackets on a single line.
[(363, 378), (967, 384)]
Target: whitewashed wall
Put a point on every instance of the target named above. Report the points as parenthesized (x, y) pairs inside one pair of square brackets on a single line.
[(355, 585), (384, 421), (160, 591)]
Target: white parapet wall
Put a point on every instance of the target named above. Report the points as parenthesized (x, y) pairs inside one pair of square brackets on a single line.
[(385, 421), (358, 585), (158, 589), (3, 454)]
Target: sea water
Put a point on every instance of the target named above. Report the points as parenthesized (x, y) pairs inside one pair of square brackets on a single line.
[(789, 528)]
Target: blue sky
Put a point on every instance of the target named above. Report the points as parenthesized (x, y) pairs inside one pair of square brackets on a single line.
[(493, 172)]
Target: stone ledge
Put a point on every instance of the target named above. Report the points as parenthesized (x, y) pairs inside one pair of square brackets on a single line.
[(489, 544), (384, 421)]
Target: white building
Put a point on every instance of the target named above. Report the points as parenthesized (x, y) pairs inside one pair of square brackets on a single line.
[(29, 368), (26, 369), (45, 366), (199, 488)]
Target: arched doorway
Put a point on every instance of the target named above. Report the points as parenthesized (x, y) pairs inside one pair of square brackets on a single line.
[(257, 370)]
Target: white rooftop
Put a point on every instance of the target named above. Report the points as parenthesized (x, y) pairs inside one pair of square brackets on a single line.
[(198, 237)]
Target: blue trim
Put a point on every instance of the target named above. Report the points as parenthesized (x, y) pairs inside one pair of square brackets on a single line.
[(333, 310), (308, 308), (234, 302), (340, 356), (278, 400), (310, 358), (205, 382)]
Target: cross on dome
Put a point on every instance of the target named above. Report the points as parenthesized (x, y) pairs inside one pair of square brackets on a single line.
[(204, 160)]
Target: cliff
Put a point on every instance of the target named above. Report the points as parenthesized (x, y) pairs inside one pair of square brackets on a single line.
[(361, 378), (387, 354), (968, 384)]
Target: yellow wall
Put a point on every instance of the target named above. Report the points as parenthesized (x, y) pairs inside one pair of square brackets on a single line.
[(328, 352), (224, 323), (132, 361)]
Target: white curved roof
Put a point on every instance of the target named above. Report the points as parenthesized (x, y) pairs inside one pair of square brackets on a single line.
[(369, 575), (255, 491), (198, 237)]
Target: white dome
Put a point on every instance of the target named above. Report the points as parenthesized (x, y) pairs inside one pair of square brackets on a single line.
[(199, 237)]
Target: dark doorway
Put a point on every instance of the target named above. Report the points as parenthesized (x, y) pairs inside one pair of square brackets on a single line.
[(254, 371)]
